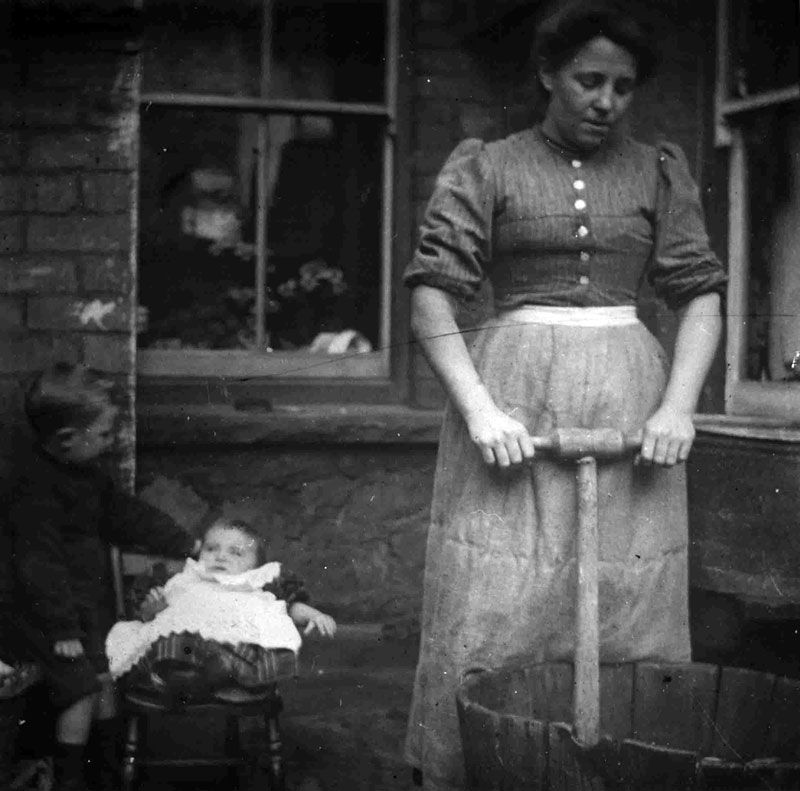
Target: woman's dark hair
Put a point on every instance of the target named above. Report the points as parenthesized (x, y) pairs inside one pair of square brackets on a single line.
[(561, 34)]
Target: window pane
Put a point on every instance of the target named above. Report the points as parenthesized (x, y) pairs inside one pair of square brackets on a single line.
[(773, 153), (202, 48), (764, 47), (196, 270), (329, 50), (198, 194), (321, 50), (324, 229)]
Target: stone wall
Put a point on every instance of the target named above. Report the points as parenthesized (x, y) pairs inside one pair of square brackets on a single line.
[(350, 520), (68, 135)]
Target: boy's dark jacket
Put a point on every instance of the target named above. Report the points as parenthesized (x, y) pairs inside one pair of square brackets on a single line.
[(59, 521)]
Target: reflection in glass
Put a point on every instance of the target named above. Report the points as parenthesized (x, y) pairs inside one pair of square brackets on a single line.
[(327, 51), (764, 47), (198, 218), (773, 162)]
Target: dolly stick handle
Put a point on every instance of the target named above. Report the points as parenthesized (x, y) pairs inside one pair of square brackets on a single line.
[(586, 692), (575, 443)]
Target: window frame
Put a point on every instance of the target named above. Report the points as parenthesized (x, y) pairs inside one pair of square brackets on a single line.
[(162, 367), (743, 396)]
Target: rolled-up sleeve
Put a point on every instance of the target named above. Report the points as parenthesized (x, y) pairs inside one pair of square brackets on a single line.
[(455, 238), (683, 266)]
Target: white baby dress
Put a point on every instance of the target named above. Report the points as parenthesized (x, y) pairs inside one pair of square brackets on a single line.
[(229, 608)]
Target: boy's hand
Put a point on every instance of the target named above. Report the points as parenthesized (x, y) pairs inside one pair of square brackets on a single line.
[(152, 604), (69, 649), (324, 624)]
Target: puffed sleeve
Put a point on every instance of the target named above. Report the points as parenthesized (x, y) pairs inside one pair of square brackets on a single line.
[(456, 234), (683, 266), (289, 587)]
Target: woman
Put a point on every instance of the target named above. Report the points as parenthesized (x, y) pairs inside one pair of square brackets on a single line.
[(565, 219)]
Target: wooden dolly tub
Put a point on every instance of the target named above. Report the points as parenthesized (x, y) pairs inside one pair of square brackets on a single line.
[(623, 727)]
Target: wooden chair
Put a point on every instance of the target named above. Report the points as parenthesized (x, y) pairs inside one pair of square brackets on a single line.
[(13, 689), (139, 707)]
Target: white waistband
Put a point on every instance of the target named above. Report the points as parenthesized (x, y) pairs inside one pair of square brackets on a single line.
[(610, 316)]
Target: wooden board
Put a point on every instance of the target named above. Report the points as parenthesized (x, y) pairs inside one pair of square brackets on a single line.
[(504, 691), (616, 700), (479, 734), (522, 752), (516, 697), (550, 690), (674, 705), (743, 710), (570, 767), (655, 768), (783, 735)]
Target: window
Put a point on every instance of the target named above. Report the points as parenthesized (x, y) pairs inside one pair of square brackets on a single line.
[(265, 187), (758, 118)]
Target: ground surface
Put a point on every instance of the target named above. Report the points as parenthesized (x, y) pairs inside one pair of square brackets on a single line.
[(344, 718)]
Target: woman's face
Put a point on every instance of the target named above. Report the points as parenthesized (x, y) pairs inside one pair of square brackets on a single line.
[(228, 550), (589, 94)]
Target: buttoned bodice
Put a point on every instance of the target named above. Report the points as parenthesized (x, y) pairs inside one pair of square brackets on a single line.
[(549, 227)]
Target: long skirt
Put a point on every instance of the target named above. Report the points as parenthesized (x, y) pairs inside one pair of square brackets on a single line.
[(500, 573)]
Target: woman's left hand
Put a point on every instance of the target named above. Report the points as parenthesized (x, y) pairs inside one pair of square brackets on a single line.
[(667, 437)]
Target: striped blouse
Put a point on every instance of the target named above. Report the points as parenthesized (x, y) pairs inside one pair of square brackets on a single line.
[(550, 228)]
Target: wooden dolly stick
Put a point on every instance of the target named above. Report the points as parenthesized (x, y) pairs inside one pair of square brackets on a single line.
[(584, 447)]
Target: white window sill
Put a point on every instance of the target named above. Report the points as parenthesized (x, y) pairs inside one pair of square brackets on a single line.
[(185, 363)]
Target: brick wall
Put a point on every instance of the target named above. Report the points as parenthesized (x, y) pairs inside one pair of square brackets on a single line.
[(350, 520), (456, 93), (68, 130)]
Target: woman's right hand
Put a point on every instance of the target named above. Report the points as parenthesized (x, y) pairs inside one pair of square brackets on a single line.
[(501, 439)]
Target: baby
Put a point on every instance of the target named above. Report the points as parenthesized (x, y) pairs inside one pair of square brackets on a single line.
[(226, 616)]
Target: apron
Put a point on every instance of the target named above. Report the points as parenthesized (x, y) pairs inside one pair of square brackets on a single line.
[(500, 573)]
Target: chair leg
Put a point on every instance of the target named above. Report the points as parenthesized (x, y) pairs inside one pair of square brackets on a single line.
[(275, 773), (233, 748), (130, 754), (232, 745), (10, 711)]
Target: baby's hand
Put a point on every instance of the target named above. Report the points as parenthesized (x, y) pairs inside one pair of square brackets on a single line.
[(152, 604), (324, 624), (69, 649)]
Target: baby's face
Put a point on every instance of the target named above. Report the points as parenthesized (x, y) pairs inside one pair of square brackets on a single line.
[(227, 550)]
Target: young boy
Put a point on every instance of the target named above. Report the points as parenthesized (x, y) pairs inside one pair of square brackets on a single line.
[(62, 513)]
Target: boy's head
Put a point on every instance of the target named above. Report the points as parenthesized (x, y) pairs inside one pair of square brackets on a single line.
[(70, 410), (232, 546)]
